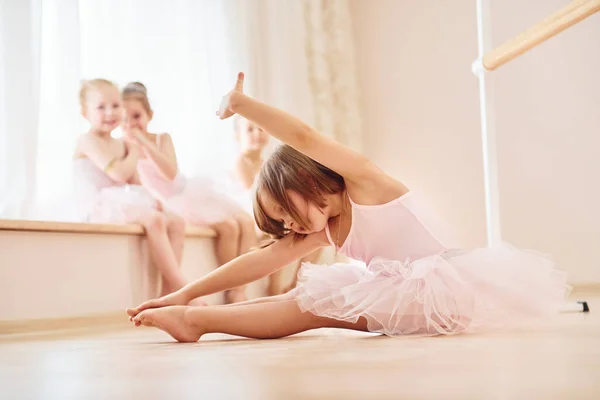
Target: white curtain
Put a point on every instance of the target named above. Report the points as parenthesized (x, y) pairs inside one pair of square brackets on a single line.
[(19, 79), (59, 122), (180, 50), (298, 55)]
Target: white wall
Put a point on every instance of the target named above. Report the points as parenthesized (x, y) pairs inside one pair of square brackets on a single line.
[(421, 118)]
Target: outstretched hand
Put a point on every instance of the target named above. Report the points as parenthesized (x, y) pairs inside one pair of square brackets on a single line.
[(225, 108), (173, 299)]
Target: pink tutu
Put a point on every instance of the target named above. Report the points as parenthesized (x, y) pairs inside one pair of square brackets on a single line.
[(488, 288), (97, 198), (126, 204), (201, 200)]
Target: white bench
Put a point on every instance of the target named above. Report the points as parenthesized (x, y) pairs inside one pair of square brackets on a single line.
[(56, 270)]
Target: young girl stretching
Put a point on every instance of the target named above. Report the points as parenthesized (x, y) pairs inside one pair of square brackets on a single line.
[(314, 192), (253, 140)]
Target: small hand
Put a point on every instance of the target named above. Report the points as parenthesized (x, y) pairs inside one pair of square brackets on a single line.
[(133, 149), (226, 107), (138, 139), (174, 299)]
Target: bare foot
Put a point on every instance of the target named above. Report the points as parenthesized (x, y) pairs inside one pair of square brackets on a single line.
[(171, 320), (235, 296)]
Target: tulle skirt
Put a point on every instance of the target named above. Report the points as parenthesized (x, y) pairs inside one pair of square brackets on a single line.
[(203, 202), (126, 204), (487, 288)]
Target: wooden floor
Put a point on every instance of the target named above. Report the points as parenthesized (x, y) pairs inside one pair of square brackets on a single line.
[(559, 361)]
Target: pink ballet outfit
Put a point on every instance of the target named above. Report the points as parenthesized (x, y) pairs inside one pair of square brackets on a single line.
[(201, 201), (414, 283), (99, 199)]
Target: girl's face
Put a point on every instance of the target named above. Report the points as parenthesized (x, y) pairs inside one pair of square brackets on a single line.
[(251, 137), (136, 116), (316, 217), (103, 108)]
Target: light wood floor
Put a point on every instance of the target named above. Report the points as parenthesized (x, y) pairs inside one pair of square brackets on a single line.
[(558, 361)]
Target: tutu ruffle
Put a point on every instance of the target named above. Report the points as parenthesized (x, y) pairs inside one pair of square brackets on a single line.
[(487, 288), (202, 202), (121, 205)]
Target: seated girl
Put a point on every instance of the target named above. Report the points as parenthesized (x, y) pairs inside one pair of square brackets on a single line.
[(105, 176), (201, 200)]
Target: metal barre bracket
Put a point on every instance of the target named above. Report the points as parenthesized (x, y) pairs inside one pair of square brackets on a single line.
[(477, 67)]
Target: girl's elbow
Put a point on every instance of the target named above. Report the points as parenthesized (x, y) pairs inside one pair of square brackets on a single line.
[(304, 136), (171, 175), (119, 177)]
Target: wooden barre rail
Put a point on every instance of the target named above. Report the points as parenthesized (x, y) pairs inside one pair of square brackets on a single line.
[(77, 227), (571, 14)]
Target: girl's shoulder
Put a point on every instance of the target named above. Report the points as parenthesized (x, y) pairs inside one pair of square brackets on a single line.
[(161, 139), (379, 189), (82, 144), (160, 136)]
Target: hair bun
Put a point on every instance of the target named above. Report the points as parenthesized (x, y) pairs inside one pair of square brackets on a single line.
[(137, 87)]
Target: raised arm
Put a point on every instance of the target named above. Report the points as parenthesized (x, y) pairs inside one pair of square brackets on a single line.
[(119, 169), (242, 270), (294, 132)]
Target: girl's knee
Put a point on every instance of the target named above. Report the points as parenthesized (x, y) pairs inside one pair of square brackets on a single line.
[(229, 227), (176, 223), (156, 222), (246, 222)]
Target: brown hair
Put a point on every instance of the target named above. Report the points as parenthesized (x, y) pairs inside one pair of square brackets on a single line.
[(288, 169), (92, 84), (137, 91)]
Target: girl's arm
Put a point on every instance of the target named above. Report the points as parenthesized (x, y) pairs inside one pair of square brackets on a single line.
[(163, 155), (254, 265), (292, 131), (242, 270), (119, 169)]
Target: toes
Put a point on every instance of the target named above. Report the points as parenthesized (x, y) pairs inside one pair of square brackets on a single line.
[(138, 318), (147, 323), (132, 312), (144, 318)]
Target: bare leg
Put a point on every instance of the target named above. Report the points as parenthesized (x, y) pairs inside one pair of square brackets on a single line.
[(176, 234), (261, 300), (261, 321), (227, 247), (248, 241), (227, 243), (162, 253), (248, 237)]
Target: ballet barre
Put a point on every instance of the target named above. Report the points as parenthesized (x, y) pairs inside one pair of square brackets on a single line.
[(490, 60), (573, 13)]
